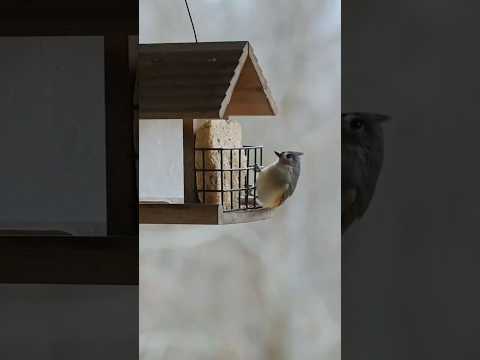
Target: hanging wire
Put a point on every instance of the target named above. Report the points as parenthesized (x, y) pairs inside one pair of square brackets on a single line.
[(191, 21)]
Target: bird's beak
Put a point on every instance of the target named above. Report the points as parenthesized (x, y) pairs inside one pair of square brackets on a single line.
[(298, 153), (277, 153)]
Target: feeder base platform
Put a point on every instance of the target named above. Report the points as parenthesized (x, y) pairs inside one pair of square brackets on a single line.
[(151, 212)]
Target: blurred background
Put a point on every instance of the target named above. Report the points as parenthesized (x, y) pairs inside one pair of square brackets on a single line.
[(409, 264), (266, 290)]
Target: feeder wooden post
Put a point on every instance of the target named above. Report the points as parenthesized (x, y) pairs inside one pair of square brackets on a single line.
[(189, 186)]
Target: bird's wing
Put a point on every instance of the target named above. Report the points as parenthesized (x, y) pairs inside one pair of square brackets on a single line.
[(289, 188), (286, 188), (283, 195)]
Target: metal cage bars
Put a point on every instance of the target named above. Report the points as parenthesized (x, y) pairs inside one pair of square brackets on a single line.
[(229, 180)]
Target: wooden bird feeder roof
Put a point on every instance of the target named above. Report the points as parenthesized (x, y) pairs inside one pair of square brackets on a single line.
[(201, 80)]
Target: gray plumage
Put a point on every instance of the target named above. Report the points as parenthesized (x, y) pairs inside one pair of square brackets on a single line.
[(362, 159), (277, 181)]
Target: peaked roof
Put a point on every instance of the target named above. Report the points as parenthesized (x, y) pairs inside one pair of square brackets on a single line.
[(201, 80)]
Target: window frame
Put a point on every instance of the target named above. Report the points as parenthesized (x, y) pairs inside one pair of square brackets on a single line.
[(111, 259)]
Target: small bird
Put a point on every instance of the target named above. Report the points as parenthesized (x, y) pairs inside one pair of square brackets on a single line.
[(277, 181), (362, 159)]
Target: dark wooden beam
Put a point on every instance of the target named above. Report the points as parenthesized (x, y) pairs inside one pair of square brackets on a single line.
[(69, 260), (122, 195), (62, 18), (133, 55), (67, 27)]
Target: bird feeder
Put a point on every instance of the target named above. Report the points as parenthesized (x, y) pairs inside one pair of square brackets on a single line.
[(195, 81)]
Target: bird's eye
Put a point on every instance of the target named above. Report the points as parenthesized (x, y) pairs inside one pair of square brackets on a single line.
[(289, 156), (357, 124)]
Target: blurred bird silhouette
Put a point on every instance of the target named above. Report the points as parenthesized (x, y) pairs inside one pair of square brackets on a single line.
[(362, 159), (277, 181)]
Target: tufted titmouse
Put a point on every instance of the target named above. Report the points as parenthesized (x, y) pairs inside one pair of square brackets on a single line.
[(362, 158), (276, 182)]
